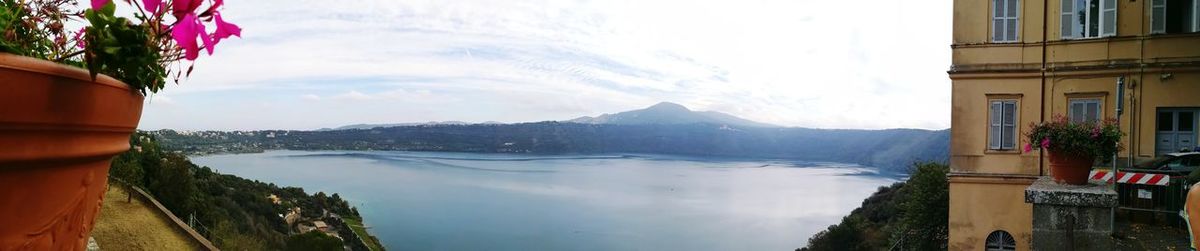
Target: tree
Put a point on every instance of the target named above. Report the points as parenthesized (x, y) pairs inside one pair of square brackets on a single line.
[(314, 241), (844, 236), (227, 237), (912, 214), (174, 185), (926, 208), (126, 169)]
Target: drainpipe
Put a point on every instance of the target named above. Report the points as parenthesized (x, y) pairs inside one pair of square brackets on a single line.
[(1045, 26), (1112, 219), (1120, 110)]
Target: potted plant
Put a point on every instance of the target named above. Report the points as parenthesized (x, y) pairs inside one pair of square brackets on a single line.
[(1074, 147), (69, 99)]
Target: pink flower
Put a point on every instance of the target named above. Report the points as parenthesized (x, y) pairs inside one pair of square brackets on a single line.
[(1045, 143), (224, 30), (151, 5), (212, 9), (185, 31), (79, 42), (182, 8), (1028, 147), (97, 4)]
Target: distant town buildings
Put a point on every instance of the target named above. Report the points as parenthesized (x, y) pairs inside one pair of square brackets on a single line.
[(274, 199), (1019, 62)]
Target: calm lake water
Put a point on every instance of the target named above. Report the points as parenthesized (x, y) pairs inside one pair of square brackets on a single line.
[(468, 201)]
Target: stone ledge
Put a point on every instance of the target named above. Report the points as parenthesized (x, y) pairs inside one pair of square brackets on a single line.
[(1046, 192)]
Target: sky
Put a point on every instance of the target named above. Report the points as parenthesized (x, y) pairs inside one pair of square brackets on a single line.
[(306, 64)]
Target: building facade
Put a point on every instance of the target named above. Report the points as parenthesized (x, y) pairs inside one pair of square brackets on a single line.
[(1017, 62)]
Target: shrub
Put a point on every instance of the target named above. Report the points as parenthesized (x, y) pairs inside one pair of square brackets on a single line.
[(1100, 139)]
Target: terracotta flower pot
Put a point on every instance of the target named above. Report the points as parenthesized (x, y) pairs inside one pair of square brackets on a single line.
[(58, 133), (1071, 169)]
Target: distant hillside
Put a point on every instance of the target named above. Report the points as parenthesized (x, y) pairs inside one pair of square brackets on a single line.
[(890, 150), (371, 126), (668, 113)]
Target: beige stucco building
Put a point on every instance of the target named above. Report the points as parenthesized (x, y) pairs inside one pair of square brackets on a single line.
[(1018, 61)]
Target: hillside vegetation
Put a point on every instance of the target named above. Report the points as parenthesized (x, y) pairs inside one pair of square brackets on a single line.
[(877, 148), (909, 215), (234, 213)]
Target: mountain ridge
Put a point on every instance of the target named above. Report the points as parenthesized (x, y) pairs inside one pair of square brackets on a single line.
[(668, 113), (890, 150), (663, 113)]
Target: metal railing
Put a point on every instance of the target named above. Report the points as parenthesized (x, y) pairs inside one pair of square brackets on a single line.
[(1166, 201)]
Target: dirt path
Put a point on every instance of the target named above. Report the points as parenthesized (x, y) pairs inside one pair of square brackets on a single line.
[(135, 226)]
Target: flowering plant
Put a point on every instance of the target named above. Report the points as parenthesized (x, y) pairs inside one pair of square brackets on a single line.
[(142, 54), (1100, 139)]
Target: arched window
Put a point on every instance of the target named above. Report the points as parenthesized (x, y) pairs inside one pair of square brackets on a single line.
[(1000, 241)]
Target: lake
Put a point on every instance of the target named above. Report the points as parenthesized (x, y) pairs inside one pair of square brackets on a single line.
[(473, 201)]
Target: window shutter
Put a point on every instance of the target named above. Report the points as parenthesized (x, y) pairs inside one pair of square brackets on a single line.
[(998, 20), (1093, 112), (1004, 20), (1068, 19), (1158, 16), (1195, 15), (1011, 23), (994, 135), (1077, 112), (1008, 130), (1108, 17)]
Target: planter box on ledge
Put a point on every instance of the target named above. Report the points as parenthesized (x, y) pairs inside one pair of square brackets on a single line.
[(1071, 217)]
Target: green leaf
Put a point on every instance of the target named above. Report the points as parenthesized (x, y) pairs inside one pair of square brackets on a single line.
[(110, 8)]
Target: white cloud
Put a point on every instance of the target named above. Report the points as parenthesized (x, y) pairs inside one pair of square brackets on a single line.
[(160, 99), (805, 63), (353, 95)]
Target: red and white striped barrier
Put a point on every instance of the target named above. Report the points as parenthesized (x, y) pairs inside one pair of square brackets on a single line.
[(1132, 178)]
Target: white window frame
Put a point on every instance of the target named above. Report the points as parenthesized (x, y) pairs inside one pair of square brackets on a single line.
[(1000, 32), (1108, 13), (1084, 102), (1001, 127), (1068, 17), (1158, 16)]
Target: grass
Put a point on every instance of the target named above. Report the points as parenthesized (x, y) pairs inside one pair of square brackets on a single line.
[(358, 228), (136, 225)]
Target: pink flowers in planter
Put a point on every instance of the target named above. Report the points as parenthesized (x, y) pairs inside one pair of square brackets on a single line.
[(189, 31), (150, 5), (1045, 144), (1098, 139)]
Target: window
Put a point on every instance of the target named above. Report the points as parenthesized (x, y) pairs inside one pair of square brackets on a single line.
[(1088, 18), (1184, 163), (1190, 162), (1003, 130), (1186, 122), (1004, 20), (1085, 110), (1174, 16), (1166, 121), (1000, 241)]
